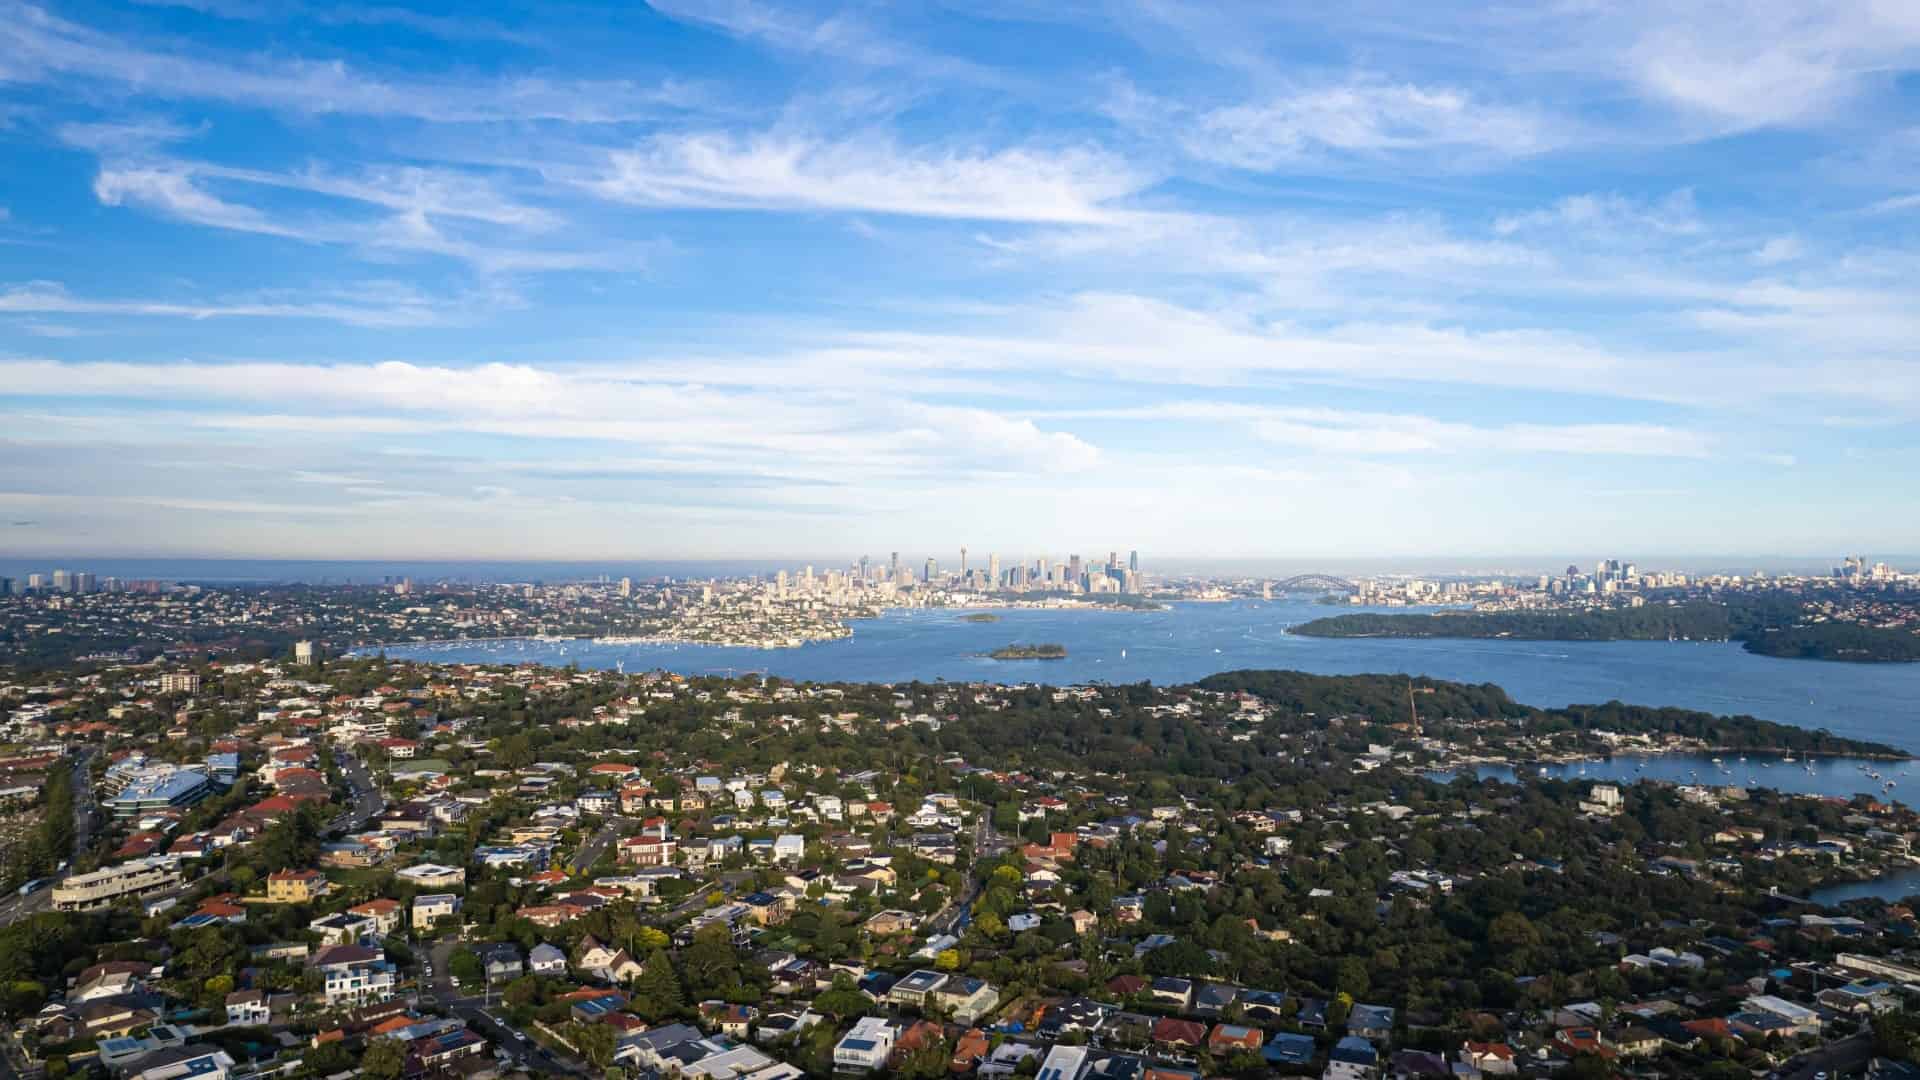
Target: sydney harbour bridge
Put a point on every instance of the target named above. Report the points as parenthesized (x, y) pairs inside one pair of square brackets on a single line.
[(1315, 582)]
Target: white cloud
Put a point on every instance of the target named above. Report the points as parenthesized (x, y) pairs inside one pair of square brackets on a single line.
[(172, 193), (41, 47), (1352, 432), (407, 189), (1895, 204), (1779, 249), (420, 204), (816, 433), (374, 306), (125, 137), (1753, 63), (1609, 213), (870, 175), (1361, 118)]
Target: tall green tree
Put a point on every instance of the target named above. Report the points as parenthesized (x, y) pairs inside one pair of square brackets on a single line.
[(657, 994)]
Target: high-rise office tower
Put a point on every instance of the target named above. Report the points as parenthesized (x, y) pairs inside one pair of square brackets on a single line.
[(893, 566), (62, 581), (993, 571), (1133, 561), (626, 588), (931, 568), (963, 563)]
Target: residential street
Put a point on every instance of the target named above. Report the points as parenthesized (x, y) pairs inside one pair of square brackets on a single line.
[(474, 1009)]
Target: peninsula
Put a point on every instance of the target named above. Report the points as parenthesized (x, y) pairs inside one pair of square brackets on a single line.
[(1759, 628)]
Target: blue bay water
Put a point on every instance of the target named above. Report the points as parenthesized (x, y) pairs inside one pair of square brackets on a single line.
[(1844, 777), (1189, 641)]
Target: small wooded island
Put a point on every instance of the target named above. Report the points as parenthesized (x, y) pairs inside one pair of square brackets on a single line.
[(980, 616), (1047, 651)]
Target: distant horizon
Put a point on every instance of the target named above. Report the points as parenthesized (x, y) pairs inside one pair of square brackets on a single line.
[(247, 569)]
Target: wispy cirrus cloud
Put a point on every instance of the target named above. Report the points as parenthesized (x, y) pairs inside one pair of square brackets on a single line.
[(1361, 120), (173, 192), (42, 47), (426, 211), (871, 174), (1772, 62), (383, 305), (813, 432), (1369, 434), (1609, 213)]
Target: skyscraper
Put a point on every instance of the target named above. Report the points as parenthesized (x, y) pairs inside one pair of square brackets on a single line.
[(993, 571), (931, 568), (1133, 561), (893, 566), (963, 562)]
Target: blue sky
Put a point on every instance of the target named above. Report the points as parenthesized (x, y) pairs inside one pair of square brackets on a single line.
[(737, 279)]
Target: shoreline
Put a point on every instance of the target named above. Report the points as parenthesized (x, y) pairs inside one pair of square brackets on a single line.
[(782, 643), (1689, 751), (1746, 645)]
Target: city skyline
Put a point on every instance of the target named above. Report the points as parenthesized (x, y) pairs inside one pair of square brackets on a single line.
[(734, 279)]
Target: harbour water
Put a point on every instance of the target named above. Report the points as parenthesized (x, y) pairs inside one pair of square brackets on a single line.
[(1843, 777), (1893, 885), (1189, 641)]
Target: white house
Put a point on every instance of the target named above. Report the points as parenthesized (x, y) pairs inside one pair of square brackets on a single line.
[(867, 1046), (248, 1008), (1064, 1062), (789, 847), (545, 959), (433, 875), (360, 982)]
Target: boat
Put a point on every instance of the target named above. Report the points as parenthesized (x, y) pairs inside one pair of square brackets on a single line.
[(1716, 761)]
